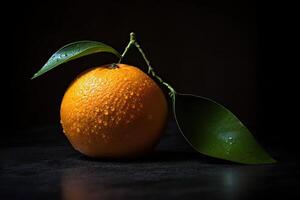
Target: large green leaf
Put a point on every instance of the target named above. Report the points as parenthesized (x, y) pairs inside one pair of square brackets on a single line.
[(72, 51), (213, 130)]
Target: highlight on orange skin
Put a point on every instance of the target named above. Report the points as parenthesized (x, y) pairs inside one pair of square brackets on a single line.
[(113, 112)]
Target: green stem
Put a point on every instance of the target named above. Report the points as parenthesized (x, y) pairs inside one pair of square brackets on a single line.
[(151, 71), (127, 47)]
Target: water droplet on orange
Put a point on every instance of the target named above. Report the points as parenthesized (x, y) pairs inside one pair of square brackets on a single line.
[(103, 105)]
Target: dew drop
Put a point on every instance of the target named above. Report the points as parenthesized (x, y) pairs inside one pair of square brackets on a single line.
[(231, 140), (133, 106), (131, 93), (141, 105), (112, 109), (227, 151), (126, 97), (99, 121), (78, 130), (131, 116), (105, 123), (105, 112)]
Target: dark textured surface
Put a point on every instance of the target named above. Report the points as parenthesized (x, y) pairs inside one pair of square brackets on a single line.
[(40, 164)]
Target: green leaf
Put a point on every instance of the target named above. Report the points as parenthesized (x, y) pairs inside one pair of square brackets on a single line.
[(213, 130), (72, 51)]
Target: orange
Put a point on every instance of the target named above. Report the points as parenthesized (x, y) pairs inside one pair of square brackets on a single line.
[(113, 111)]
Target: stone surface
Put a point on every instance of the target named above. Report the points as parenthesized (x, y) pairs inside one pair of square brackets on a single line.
[(40, 164)]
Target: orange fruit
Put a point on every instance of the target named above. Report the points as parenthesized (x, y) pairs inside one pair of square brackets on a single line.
[(113, 111)]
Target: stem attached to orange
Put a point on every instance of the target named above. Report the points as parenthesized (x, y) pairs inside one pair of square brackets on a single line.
[(151, 71)]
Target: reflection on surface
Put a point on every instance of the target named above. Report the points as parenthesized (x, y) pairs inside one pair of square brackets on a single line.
[(75, 189), (242, 181), (81, 184), (162, 179)]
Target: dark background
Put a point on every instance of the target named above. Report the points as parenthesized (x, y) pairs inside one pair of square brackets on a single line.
[(232, 52), (242, 54)]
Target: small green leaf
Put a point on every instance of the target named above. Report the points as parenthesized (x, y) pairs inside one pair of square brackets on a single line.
[(72, 51), (213, 130)]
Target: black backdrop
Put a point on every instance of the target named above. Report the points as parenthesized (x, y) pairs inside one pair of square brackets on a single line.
[(229, 51)]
